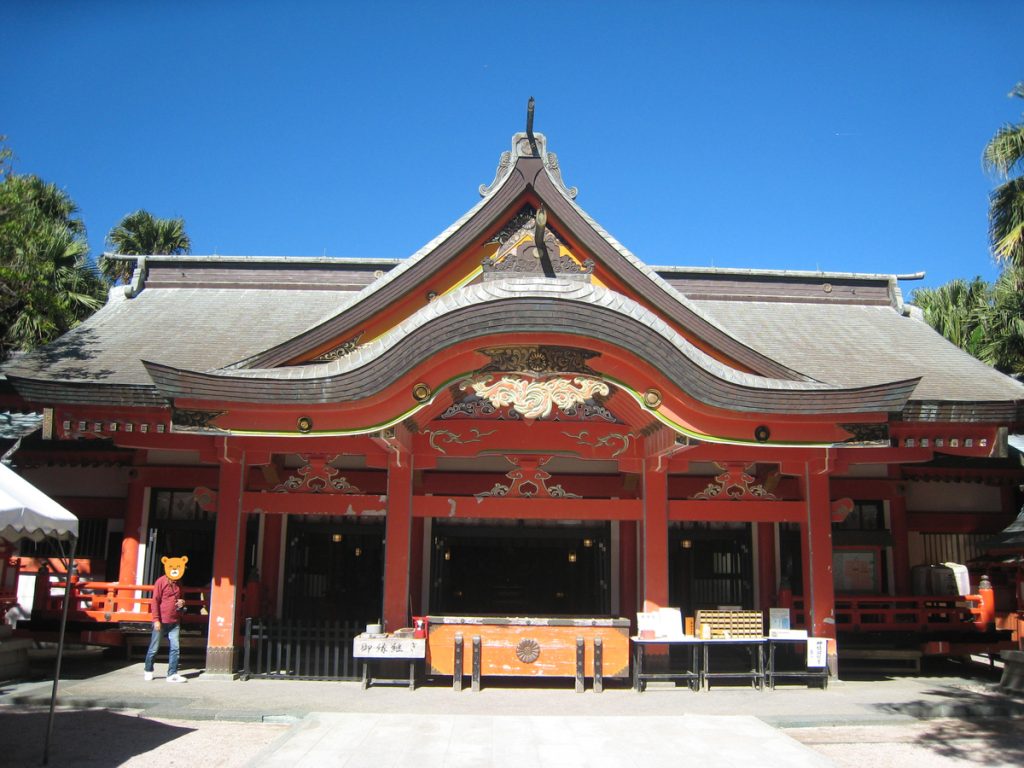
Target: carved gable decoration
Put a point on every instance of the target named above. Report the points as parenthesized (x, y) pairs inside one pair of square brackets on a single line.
[(541, 382), (518, 252), (540, 359), (194, 421), (317, 476), (535, 398), (476, 407), (340, 351)]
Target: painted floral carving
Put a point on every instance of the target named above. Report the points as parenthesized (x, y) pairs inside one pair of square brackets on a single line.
[(535, 399)]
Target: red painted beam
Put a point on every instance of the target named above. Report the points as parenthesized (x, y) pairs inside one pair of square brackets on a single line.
[(738, 511), (467, 438), (958, 522), (492, 507), (313, 503)]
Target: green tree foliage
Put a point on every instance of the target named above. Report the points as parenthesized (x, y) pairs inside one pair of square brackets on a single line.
[(142, 234), (47, 284), (984, 319), (1004, 156), (1002, 323), (955, 310)]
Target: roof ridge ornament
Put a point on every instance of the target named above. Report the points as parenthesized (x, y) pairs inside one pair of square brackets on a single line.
[(528, 144), (529, 127), (555, 171)]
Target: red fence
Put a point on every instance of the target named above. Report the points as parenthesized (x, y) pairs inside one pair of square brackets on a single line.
[(106, 601), (918, 613)]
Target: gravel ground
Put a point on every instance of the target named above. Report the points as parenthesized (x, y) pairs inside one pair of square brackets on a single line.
[(937, 743)]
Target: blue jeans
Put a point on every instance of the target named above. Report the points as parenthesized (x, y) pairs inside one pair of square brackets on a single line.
[(171, 630)]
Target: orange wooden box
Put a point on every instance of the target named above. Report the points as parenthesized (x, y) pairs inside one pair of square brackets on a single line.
[(528, 647)]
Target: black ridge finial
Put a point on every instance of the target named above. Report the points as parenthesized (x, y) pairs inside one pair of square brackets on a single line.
[(529, 126)]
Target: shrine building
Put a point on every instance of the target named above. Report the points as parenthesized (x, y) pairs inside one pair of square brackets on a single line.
[(519, 419)]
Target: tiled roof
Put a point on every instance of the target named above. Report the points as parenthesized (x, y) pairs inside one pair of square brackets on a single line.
[(196, 328), (855, 345), (527, 305)]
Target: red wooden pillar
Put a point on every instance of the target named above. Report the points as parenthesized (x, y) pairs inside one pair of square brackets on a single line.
[(133, 534), (398, 540), (655, 531), (766, 571), (819, 589), (416, 567), (627, 570), (900, 540), (270, 565), (221, 649)]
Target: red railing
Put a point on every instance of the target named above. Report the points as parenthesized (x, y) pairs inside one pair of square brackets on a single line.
[(108, 601), (916, 613)]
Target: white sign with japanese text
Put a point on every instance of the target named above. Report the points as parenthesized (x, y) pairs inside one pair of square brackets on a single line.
[(817, 652), (364, 647)]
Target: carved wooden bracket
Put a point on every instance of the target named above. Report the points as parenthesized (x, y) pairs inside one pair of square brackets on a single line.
[(317, 476), (734, 483), (528, 480)]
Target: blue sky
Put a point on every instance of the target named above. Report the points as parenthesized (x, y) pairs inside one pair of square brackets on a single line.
[(840, 136)]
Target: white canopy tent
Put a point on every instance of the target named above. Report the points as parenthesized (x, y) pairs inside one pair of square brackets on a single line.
[(28, 513)]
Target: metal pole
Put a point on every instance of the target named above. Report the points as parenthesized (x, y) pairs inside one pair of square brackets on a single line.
[(60, 650)]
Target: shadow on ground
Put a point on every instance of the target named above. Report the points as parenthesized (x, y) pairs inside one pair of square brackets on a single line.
[(77, 663), (81, 739), (998, 741)]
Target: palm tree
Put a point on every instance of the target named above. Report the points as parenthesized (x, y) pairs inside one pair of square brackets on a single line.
[(47, 284), (1002, 324), (955, 310), (142, 234), (55, 287), (1004, 155)]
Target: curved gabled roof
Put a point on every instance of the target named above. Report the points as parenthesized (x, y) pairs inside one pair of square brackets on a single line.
[(527, 169), (527, 305)]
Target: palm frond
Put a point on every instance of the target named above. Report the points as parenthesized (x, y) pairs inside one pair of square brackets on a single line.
[(1005, 151), (1006, 221)]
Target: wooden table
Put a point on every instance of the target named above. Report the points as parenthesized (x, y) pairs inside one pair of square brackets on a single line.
[(753, 645), (806, 673), (691, 674)]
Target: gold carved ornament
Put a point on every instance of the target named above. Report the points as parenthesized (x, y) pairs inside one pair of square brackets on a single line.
[(536, 398)]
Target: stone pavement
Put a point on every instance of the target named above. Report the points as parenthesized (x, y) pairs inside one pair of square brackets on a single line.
[(555, 741), (525, 725)]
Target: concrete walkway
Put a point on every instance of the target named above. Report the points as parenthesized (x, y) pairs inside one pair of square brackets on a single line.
[(338, 723), (555, 741)]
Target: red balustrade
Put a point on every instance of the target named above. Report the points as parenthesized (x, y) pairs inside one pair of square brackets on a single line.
[(108, 601), (911, 613)]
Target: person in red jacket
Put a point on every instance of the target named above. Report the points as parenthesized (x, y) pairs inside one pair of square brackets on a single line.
[(167, 607)]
